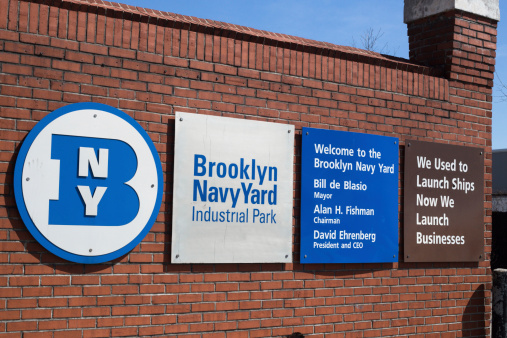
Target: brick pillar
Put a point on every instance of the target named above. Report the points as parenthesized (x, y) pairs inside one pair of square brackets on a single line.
[(456, 36)]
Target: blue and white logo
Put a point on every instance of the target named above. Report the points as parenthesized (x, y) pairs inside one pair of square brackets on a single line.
[(88, 183)]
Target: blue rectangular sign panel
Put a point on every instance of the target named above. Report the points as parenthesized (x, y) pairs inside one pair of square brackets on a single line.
[(349, 197)]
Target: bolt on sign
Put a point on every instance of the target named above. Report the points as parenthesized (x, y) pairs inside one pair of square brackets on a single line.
[(88, 183), (349, 197), (233, 189), (443, 203)]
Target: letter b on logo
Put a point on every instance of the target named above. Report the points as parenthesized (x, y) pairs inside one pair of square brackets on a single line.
[(93, 189)]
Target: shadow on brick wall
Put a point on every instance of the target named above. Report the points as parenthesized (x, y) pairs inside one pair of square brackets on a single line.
[(474, 317), (167, 204)]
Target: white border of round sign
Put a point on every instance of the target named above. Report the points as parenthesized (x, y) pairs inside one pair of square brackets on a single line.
[(72, 120)]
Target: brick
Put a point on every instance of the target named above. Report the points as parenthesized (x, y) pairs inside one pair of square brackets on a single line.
[(35, 314), (22, 326)]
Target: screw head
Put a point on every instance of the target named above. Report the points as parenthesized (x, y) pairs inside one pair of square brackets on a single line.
[(90, 250), (94, 115), (28, 179), (181, 118), (177, 256), (305, 256)]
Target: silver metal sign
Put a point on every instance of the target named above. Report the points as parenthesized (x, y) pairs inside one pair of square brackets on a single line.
[(233, 190)]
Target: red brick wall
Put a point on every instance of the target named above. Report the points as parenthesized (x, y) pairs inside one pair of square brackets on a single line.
[(151, 64)]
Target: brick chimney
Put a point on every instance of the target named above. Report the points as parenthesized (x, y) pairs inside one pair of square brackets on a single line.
[(456, 36)]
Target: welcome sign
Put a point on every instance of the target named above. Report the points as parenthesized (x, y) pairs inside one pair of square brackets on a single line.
[(349, 197), (233, 188)]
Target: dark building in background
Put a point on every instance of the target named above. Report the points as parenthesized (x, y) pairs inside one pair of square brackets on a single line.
[(499, 198)]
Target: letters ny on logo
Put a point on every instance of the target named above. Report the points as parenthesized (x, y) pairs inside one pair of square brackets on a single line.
[(88, 183)]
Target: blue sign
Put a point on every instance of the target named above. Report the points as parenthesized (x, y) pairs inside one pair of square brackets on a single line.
[(88, 183), (349, 197)]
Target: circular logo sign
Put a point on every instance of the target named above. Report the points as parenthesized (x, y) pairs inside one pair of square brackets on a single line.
[(88, 183)]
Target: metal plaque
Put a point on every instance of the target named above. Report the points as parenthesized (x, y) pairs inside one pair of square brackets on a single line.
[(443, 203), (349, 197), (88, 183), (233, 190)]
